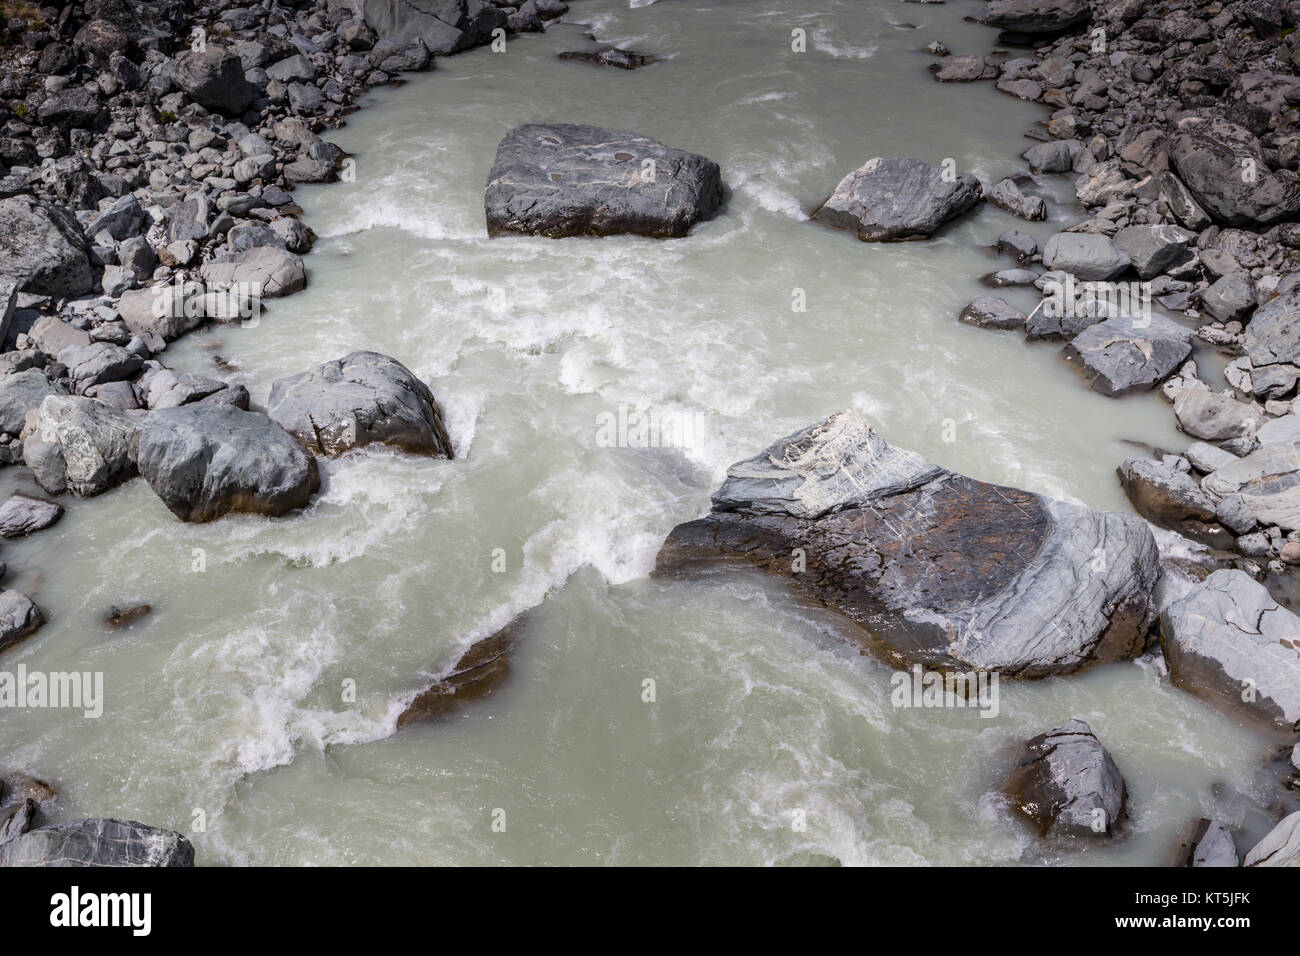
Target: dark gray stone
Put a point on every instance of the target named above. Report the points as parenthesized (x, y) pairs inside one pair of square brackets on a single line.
[(889, 200), (98, 842)]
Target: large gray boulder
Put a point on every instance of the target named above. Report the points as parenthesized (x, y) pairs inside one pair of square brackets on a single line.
[(167, 311), (42, 246), (1214, 846), (1280, 847), (19, 618), (1227, 640), (270, 269), (1034, 16), (563, 179), (889, 200), (444, 26), (1129, 354), (1273, 334), (361, 398), (205, 461), (98, 842), (1214, 416), (1089, 256), (214, 78), (1224, 168), (81, 445), (20, 393), (1067, 784), (940, 569)]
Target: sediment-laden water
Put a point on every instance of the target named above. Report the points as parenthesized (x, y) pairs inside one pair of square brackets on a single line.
[(230, 705)]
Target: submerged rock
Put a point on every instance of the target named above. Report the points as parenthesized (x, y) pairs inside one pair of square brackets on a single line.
[(1068, 784), (361, 398), (480, 671), (562, 179), (205, 461), (939, 569), (611, 56), (989, 312), (98, 842), (1228, 640), (898, 199)]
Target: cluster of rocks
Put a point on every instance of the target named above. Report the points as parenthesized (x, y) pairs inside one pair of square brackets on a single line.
[(1181, 131), (148, 154)]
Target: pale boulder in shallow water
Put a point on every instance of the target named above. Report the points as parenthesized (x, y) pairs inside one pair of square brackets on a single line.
[(562, 179), (938, 568), (361, 398), (898, 199)]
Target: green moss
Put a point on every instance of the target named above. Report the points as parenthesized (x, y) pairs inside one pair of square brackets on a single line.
[(166, 116), (20, 110)]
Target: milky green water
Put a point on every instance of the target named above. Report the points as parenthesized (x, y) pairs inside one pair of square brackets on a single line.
[(226, 707)]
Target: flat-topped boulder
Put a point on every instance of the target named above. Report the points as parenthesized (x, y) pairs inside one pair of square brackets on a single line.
[(938, 568), (1273, 335), (443, 26), (1227, 640), (81, 445), (1264, 485), (565, 179), (1087, 255), (1129, 353), (1067, 784), (98, 842), (889, 200), (205, 461), (361, 398)]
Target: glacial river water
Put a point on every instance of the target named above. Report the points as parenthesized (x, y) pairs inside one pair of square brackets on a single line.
[(227, 712)]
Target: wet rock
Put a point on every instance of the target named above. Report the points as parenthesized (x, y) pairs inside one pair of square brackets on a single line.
[(443, 26), (1089, 256), (611, 56), (80, 445), (940, 569), (22, 515), (205, 461), (563, 180), (963, 69), (1129, 354), (480, 671), (361, 398), (19, 618), (1067, 784), (119, 617), (1054, 156), (1005, 194), (1227, 640), (989, 312), (1173, 499), (43, 247), (214, 78), (98, 842), (898, 199), (1018, 244), (1281, 847), (1211, 156)]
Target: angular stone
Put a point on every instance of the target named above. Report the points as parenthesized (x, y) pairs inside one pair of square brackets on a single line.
[(81, 445), (1129, 354), (898, 199), (1067, 784)]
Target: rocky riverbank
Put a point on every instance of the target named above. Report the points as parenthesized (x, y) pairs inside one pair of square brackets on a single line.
[(148, 154)]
